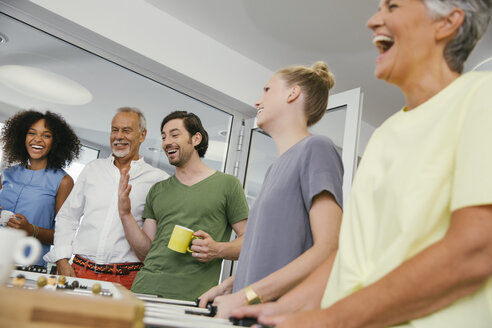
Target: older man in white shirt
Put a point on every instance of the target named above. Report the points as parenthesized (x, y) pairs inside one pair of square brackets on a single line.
[(99, 245)]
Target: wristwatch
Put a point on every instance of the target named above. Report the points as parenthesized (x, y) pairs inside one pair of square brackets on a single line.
[(251, 296)]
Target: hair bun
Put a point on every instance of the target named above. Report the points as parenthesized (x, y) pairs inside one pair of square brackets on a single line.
[(322, 70)]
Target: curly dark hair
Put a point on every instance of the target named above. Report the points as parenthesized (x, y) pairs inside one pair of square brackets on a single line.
[(193, 125), (64, 149)]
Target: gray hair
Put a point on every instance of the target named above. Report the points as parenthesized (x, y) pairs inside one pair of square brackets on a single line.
[(142, 123), (477, 17)]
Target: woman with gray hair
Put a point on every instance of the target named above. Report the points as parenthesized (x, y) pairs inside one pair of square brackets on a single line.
[(416, 238)]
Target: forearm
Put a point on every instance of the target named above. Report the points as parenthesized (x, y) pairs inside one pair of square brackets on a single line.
[(230, 250), (433, 279), (305, 296), (308, 294), (281, 281), (226, 285), (137, 238), (63, 267), (45, 236)]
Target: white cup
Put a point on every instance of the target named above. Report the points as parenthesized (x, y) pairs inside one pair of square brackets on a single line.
[(5, 217), (13, 244)]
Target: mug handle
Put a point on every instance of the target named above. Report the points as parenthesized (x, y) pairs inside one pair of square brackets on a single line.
[(188, 248), (19, 255)]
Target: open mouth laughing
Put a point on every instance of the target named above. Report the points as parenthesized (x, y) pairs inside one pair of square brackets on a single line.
[(383, 42), (120, 144), (37, 148), (171, 151), (258, 111)]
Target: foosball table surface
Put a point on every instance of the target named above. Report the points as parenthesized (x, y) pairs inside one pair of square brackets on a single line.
[(113, 306)]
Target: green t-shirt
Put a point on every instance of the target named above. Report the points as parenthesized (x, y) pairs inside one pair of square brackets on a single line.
[(211, 205)]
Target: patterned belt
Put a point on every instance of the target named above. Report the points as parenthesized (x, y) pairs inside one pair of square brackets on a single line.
[(116, 268)]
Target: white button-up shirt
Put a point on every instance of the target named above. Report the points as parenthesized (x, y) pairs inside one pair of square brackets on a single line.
[(88, 223)]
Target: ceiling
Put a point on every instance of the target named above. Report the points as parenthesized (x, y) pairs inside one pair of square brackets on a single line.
[(273, 33), (111, 86), (278, 33)]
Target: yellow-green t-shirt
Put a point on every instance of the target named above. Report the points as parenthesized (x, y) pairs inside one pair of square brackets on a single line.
[(419, 167)]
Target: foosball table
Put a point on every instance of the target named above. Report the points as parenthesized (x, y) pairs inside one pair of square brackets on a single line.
[(32, 299)]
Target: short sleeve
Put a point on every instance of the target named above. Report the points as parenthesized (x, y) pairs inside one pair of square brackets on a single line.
[(148, 212), (237, 206), (472, 183), (322, 171)]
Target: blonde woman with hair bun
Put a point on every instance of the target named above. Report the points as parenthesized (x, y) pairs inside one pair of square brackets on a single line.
[(294, 223), (314, 81)]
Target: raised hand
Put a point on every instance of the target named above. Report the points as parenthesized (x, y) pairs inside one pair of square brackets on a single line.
[(124, 203)]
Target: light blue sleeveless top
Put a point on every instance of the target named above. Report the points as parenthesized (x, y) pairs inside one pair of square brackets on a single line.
[(32, 194)]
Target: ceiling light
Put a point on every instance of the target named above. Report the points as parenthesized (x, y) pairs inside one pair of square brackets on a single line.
[(44, 85)]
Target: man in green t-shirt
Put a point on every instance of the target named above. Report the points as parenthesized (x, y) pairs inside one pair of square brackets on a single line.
[(209, 202)]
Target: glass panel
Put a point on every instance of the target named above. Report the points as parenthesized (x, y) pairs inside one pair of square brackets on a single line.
[(332, 125), (110, 85), (87, 154), (262, 153)]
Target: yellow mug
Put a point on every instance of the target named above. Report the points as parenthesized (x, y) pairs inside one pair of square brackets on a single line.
[(180, 239)]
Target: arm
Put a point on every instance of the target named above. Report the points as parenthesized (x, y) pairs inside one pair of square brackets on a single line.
[(325, 218), (46, 236), (69, 211), (19, 221), (206, 248), (64, 190), (139, 239), (305, 296), (64, 268), (446, 271)]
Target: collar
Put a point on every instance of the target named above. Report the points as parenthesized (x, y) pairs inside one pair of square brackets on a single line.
[(134, 163)]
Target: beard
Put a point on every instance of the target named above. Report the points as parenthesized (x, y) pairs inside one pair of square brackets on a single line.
[(120, 153), (183, 158), (180, 160)]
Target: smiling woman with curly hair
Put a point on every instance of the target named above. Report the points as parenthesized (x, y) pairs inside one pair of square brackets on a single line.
[(34, 186)]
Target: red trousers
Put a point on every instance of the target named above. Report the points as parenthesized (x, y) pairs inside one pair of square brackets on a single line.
[(125, 280)]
